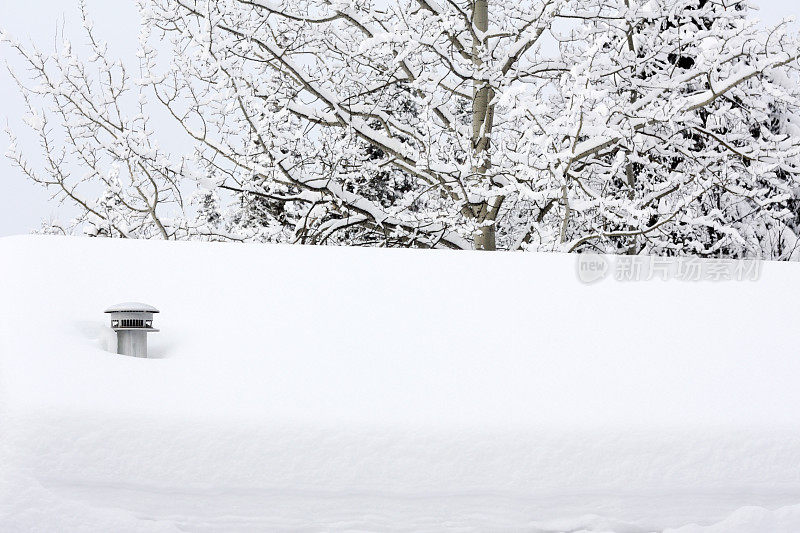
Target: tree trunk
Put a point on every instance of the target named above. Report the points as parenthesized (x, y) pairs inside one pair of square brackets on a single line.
[(482, 121), (630, 173)]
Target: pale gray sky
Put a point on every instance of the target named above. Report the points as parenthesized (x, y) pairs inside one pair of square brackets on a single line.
[(23, 205)]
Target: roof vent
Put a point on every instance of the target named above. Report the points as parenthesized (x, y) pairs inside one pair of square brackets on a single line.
[(132, 321)]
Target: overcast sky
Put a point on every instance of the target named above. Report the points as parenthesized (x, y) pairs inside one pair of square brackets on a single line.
[(23, 205)]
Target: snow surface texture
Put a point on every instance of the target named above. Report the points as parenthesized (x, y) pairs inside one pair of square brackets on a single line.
[(300, 388)]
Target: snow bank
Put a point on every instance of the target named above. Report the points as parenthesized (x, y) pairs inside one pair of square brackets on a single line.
[(328, 388)]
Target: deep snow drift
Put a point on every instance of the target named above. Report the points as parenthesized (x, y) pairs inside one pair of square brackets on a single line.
[(358, 389)]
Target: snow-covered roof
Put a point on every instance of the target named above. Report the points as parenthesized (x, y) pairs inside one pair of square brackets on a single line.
[(331, 388), (131, 307)]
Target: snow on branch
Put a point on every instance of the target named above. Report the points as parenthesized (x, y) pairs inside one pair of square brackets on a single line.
[(620, 126)]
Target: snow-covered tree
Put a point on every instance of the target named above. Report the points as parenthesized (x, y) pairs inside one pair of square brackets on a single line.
[(760, 226), (630, 126)]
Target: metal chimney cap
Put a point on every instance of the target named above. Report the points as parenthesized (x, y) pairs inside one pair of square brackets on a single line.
[(131, 307)]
